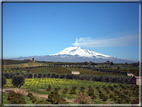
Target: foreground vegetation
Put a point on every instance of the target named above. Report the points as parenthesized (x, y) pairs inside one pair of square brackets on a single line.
[(112, 93)]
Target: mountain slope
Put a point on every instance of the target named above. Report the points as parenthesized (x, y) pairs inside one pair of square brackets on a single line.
[(76, 54), (75, 50)]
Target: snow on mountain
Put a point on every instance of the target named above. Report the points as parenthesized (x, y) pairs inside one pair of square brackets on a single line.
[(75, 50), (76, 54)]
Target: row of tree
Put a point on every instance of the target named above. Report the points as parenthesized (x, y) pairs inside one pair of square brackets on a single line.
[(113, 79)]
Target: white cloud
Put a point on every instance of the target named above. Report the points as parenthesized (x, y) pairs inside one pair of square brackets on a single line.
[(111, 42)]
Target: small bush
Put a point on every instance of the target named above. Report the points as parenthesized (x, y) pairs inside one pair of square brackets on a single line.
[(49, 88), (16, 98), (65, 91), (11, 94), (29, 94)]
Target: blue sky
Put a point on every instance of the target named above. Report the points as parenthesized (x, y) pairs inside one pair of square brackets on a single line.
[(47, 28)]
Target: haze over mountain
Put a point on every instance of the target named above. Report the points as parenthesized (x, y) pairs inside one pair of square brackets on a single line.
[(76, 54)]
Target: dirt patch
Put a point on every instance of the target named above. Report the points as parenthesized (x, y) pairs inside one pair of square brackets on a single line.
[(70, 100), (23, 91)]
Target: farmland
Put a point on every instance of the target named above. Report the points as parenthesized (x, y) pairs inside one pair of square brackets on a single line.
[(33, 85), (100, 85)]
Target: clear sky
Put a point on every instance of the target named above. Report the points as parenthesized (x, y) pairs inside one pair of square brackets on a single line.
[(31, 29)]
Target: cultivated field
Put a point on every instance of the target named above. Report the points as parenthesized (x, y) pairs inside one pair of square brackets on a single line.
[(71, 88)]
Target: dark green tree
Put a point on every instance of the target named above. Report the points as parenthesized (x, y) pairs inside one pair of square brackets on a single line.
[(85, 63), (3, 80), (18, 80), (111, 63)]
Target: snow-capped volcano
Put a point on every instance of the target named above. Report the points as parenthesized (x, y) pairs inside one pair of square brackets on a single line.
[(75, 50), (76, 54)]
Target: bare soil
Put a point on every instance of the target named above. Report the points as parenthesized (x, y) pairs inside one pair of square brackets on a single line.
[(23, 91)]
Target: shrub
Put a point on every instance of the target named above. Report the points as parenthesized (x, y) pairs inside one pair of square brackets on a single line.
[(33, 98), (54, 98), (48, 75), (82, 89), (29, 94), (39, 75), (35, 75), (7, 75), (56, 75), (105, 98), (25, 75), (111, 95), (88, 78), (49, 88), (52, 75), (82, 77), (72, 91), (3, 80), (119, 101), (12, 74), (11, 94), (95, 78), (82, 99), (62, 76), (101, 78), (127, 100), (126, 80), (135, 101), (18, 80), (44, 75), (65, 91), (30, 75), (16, 98), (114, 80), (115, 86)]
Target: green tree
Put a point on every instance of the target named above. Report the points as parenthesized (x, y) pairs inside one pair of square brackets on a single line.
[(18, 80), (85, 63), (3, 80)]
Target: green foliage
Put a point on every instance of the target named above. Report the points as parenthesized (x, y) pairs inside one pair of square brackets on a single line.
[(39, 75), (65, 91), (55, 98), (35, 75), (82, 89), (72, 91), (16, 98), (135, 101), (33, 98), (49, 88), (18, 80), (29, 94), (3, 80), (91, 92)]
